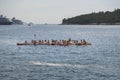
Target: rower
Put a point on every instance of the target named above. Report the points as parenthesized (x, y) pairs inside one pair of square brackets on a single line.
[(25, 41)]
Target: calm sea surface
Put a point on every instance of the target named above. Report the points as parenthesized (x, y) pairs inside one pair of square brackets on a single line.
[(99, 61)]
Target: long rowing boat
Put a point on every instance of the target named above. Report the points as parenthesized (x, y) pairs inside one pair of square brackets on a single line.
[(29, 43)]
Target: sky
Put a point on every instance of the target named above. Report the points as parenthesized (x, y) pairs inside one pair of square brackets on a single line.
[(53, 11)]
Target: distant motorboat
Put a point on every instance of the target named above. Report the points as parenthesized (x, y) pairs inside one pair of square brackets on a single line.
[(30, 24)]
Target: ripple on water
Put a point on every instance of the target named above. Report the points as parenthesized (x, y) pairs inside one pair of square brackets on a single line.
[(99, 61)]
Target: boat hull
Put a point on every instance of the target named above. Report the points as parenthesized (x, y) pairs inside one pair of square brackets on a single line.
[(5, 23), (52, 44)]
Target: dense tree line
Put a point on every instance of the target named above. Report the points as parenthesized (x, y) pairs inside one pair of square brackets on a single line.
[(95, 18)]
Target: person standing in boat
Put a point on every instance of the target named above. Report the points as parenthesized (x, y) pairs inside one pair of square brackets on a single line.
[(84, 42)]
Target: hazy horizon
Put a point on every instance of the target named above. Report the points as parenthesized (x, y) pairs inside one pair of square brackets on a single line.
[(52, 12)]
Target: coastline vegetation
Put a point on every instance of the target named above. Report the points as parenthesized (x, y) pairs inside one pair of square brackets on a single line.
[(100, 18)]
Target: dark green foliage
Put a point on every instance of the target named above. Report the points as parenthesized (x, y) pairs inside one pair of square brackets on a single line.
[(95, 18)]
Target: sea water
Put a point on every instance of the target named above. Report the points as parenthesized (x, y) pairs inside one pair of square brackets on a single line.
[(99, 61)]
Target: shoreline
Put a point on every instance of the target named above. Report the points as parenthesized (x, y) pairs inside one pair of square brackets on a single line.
[(94, 24)]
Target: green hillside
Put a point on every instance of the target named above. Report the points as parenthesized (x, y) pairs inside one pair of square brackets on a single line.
[(95, 18)]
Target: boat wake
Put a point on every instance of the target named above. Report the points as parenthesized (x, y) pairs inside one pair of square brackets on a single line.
[(66, 65), (55, 64)]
